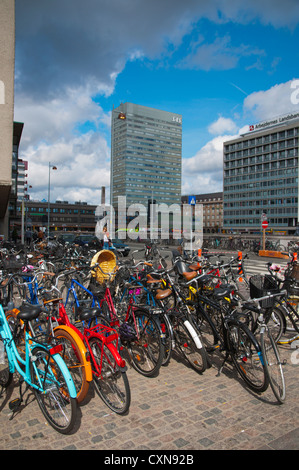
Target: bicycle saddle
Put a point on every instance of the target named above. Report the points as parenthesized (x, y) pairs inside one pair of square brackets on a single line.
[(29, 312), (220, 292), (162, 293), (85, 313)]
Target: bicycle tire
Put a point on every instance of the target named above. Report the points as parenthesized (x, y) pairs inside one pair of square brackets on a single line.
[(190, 344), (167, 338), (112, 384), (277, 323), (55, 400), (246, 354), (273, 365), (72, 355), (147, 350), (69, 302), (16, 293), (5, 374), (205, 324)]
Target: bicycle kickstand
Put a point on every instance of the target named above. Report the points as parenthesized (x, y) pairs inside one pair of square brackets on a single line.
[(15, 404), (222, 365)]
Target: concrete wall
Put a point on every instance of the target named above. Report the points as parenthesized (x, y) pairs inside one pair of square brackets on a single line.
[(7, 63)]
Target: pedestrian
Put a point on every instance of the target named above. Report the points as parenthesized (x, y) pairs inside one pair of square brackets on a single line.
[(105, 239), (28, 237), (14, 235), (40, 236)]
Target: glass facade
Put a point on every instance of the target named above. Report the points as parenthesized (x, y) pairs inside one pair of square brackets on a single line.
[(261, 177), (146, 155)]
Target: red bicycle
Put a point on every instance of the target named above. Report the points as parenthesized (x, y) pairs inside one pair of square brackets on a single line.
[(138, 329), (102, 345)]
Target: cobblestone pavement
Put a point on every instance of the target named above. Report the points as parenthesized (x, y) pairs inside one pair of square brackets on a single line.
[(178, 410)]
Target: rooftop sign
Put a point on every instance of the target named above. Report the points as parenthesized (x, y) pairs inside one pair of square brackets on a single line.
[(274, 122)]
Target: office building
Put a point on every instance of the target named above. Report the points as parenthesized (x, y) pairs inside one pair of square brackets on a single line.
[(64, 216), (261, 177), (146, 155), (212, 205)]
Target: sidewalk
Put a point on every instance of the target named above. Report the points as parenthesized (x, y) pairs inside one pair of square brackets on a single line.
[(179, 410)]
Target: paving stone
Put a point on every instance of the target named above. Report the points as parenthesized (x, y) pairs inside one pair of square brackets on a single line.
[(177, 410)]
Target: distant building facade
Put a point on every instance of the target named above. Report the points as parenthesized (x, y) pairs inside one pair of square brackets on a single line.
[(146, 155), (212, 210), (260, 177), (63, 216)]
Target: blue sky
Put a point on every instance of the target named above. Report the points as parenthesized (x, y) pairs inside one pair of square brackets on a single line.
[(222, 65)]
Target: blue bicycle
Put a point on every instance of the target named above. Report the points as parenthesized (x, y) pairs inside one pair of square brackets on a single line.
[(40, 366)]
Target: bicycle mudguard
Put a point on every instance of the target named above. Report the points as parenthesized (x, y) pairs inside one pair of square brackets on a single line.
[(193, 334), (66, 373), (119, 360), (81, 345)]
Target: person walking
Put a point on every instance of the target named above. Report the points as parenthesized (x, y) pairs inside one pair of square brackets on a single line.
[(105, 239), (28, 237), (14, 235)]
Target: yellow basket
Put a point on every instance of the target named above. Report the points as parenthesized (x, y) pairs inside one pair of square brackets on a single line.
[(106, 259)]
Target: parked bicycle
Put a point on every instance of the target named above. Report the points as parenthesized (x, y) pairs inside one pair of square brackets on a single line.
[(42, 369)]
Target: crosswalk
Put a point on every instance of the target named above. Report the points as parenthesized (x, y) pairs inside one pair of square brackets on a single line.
[(259, 266)]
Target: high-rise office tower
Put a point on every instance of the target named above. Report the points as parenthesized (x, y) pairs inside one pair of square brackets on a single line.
[(146, 155), (261, 176)]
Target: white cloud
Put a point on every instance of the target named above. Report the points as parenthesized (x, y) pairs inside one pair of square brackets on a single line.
[(48, 120), (64, 56), (270, 103), (219, 55), (203, 172), (222, 125), (51, 134)]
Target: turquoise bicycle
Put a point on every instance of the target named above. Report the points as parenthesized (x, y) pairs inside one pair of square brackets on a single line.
[(40, 366)]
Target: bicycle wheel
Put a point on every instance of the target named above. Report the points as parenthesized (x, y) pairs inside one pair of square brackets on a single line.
[(5, 374), (111, 384), (276, 323), (206, 324), (69, 302), (273, 365), (167, 338), (186, 338), (246, 355), (72, 355), (55, 400), (146, 350), (16, 292)]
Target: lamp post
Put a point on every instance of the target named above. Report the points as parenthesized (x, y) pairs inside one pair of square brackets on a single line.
[(50, 168)]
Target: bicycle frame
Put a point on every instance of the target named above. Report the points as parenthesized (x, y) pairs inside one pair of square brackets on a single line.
[(72, 290), (106, 335)]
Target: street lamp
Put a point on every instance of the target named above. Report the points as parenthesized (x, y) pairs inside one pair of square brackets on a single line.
[(50, 168)]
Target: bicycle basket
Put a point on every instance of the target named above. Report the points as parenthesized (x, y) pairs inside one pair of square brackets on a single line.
[(106, 260), (12, 264), (259, 286)]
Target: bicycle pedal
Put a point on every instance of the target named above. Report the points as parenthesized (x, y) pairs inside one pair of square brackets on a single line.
[(14, 404)]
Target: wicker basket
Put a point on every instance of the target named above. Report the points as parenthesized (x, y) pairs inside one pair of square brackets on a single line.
[(106, 259), (261, 286)]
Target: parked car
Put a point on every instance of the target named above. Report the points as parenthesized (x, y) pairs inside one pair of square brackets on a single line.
[(88, 239), (120, 246), (65, 237)]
